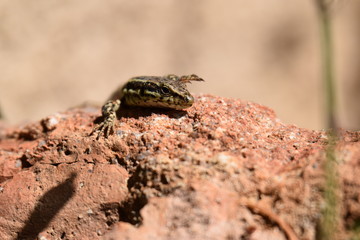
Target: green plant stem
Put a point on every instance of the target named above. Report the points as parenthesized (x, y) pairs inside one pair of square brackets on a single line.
[(328, 65), (330, 215)]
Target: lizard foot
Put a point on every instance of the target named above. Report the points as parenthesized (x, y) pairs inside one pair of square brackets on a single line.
[(109, 114)]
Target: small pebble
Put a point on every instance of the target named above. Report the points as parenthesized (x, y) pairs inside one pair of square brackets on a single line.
[(49, 123)]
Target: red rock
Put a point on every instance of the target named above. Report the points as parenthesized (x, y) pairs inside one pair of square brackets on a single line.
[(223, 169)]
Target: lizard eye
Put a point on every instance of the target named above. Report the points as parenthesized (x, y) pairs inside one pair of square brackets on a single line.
[(164, 90)]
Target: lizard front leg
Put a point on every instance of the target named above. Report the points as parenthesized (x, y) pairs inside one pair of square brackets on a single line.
[(108, 111)]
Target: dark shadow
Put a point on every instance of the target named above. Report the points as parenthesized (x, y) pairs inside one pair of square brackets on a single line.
[(137, 112), (47, 207)]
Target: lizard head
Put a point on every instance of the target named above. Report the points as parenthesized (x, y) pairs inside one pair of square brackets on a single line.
[(164, 92)]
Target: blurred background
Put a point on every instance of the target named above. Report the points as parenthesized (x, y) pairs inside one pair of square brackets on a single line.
[(59, 54)]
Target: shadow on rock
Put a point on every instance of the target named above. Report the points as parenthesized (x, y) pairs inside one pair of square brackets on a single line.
[(47, 207), (137, 112)]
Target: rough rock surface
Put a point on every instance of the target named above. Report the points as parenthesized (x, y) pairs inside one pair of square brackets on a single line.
[(222, 169)]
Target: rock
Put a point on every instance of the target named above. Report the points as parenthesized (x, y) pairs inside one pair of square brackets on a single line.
[(222, 169)]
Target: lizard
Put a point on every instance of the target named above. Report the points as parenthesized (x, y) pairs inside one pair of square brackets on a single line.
[(167, 91)]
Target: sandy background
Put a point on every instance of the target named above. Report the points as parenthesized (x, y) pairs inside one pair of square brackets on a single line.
[(58, 54)]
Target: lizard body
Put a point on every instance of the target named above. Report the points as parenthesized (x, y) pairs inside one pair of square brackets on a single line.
[(147, 91)]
